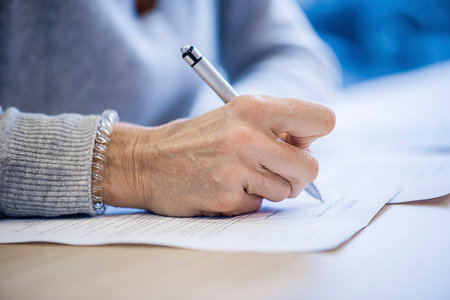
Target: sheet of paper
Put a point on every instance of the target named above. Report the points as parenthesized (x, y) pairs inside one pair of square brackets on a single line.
[(300, 224), (401, 122), (415, 177), (422, 179)]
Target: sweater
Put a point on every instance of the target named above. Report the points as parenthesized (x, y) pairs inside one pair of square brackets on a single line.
[(64, 62)]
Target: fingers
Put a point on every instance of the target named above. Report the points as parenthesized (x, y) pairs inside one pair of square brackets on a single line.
[(280, 178), (258, 164), (258, 184), (267, 184), (282, 163), (299, 118), (296, 166)]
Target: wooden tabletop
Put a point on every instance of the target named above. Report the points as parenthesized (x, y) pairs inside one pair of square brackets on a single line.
[(403, 254)]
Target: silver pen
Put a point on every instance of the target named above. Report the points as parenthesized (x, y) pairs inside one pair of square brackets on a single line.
[(222, 88)]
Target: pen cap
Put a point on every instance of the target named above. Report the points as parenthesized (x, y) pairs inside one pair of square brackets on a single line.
[(191, 55), (208, 73)]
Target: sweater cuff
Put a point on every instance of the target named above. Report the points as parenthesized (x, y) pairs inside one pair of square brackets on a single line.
[(46, 163)]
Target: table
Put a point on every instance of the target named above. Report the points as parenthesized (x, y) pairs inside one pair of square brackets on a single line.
[(402, 254)]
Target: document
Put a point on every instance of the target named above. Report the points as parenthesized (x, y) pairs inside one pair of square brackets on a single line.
[(415, 177), (421, 178), (400, 122), (352, 199)]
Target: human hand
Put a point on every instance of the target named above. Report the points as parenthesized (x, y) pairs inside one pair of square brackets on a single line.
[(221, 163)]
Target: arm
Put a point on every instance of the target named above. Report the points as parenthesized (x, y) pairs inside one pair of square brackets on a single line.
[(45, 163), (269, 47)]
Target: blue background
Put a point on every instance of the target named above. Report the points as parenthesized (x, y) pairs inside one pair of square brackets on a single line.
[(378, 37)]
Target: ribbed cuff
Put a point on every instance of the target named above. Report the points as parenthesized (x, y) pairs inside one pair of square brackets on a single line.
[(46, 164)]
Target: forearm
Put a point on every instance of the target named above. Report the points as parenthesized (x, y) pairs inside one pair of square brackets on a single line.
[(45, 163)]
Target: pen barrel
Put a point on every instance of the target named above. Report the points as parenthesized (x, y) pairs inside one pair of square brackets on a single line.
[(215, 81)]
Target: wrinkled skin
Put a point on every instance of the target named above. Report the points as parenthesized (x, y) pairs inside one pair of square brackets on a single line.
[(221, 163)]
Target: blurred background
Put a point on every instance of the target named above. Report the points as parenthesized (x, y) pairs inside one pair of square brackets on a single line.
[(378, 37)]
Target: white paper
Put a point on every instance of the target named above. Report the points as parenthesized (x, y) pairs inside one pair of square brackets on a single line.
[(415, 177), (422, 179), (300, 224), (401, 122)]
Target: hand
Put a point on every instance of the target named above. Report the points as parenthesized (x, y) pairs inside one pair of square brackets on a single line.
[(221, 163)]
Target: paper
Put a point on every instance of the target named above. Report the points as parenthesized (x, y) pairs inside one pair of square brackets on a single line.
[(422, 178), (415, 177), (300, 224), (401, 122)]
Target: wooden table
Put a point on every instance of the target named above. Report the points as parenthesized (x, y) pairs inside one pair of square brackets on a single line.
[(403, 254)]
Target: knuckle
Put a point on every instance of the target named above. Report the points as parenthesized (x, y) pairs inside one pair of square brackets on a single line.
[(244, 106), (237, 102), (238, 135), (227, 175), (242, 133)]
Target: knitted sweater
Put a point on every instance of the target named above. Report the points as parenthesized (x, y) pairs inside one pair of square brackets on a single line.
[(63, 61)]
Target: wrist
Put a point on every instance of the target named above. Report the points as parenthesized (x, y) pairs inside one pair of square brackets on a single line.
[(123, 179)]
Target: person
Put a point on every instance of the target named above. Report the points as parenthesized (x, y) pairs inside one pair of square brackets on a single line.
[(63, 62)]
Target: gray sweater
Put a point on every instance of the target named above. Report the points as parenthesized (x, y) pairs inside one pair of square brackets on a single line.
[(63, 61)]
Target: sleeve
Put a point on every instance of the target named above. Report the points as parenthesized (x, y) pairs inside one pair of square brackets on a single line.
[(269, 47), (45, 163)]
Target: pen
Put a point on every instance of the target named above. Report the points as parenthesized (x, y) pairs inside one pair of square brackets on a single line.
[(222, 88)]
